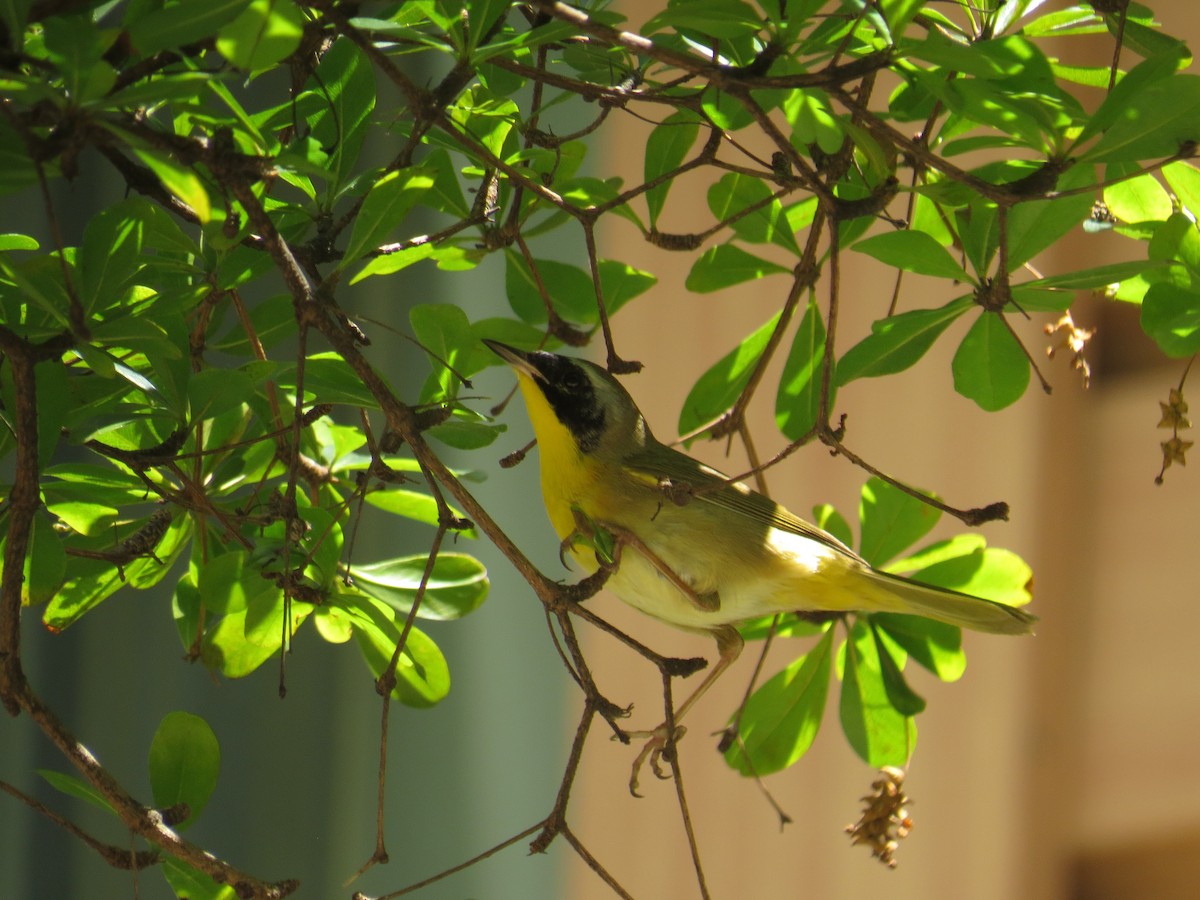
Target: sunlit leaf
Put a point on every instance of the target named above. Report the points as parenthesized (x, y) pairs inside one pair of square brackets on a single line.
[(897, 342), (798, 398), (892, 521), (781, 719), (725, 265), (913, 251), (990, 367), (719, 387), (457, 585), (264, 33), (185, 760), (666, 148), (878, 732)]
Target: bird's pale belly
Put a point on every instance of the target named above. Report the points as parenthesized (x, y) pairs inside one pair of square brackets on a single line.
[(786, 573)]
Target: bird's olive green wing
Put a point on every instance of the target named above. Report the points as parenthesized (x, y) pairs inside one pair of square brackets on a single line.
[(707, 485)]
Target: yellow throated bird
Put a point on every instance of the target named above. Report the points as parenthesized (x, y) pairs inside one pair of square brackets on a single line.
[(726, 555)]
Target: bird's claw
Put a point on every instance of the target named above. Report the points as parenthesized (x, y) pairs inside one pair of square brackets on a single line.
[(658, 746)]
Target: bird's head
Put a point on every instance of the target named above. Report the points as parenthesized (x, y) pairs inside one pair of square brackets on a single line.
[(573, 399)]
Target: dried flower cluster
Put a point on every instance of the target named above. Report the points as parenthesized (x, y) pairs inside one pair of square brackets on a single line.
[(1174, 416), (885, 821), (1074, 339)]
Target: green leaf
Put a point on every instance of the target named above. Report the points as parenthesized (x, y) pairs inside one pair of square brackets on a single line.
[(725, 265), (75, 45), (466, 430), (1138, 199), (180, 24), (185, 760), (333, 624), (487, 119), (265, 33), (569, 288), (814, 122), (829, 519), (913, 251), (327, 379), (1171, 315), (263, 618), (1098, 277), (112, 247), (935, 645), (385, 207), (186, 608), (877, 731), (1146, 41), (951, 548), (228, 582), (620, 283), (227, 649), (1178, 240), (892, 521), (394, 262), (343, 89), (74, 786), (482, 15), (781, 719), (212, 392), (457, 585), (89, 582), (734, 194), (1034, 226), (445, 334), (798, 399), (789, 626), (903, 698), (1184, 180), (17, 170), (422, 677), (719, 387), (45, 563), (991, 573), (978, 227), (897, 342), (410, 504), (446, 194), (666, 148), (187, 881), (184, 183), (716, 18), (89, 481), (1157, 122), (989, 366), (724, 110), (13, 241)]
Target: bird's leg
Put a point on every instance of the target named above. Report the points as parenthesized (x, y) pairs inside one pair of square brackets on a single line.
[(729, 647), (609, 541)]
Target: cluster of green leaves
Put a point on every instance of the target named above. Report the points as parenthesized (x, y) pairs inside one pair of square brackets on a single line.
[(1169, 293), (164, 426), (877, 706), (977, 85)]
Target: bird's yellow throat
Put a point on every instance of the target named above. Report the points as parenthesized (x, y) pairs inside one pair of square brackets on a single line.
[(567, 475)]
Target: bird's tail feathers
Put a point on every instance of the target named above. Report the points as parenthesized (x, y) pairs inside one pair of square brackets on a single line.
[(952, 607)]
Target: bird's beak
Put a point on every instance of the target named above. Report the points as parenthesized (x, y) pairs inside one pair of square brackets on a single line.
[(518, 359)]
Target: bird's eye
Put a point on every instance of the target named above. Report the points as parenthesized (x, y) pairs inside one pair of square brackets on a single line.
[(573, 379)]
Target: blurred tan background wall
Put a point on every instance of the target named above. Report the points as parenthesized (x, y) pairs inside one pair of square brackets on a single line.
[(1060, 766)]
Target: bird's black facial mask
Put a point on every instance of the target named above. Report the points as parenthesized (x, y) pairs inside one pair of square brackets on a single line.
[(572, 396)]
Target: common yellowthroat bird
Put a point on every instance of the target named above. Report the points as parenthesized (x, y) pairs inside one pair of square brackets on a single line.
[(727, 554)]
